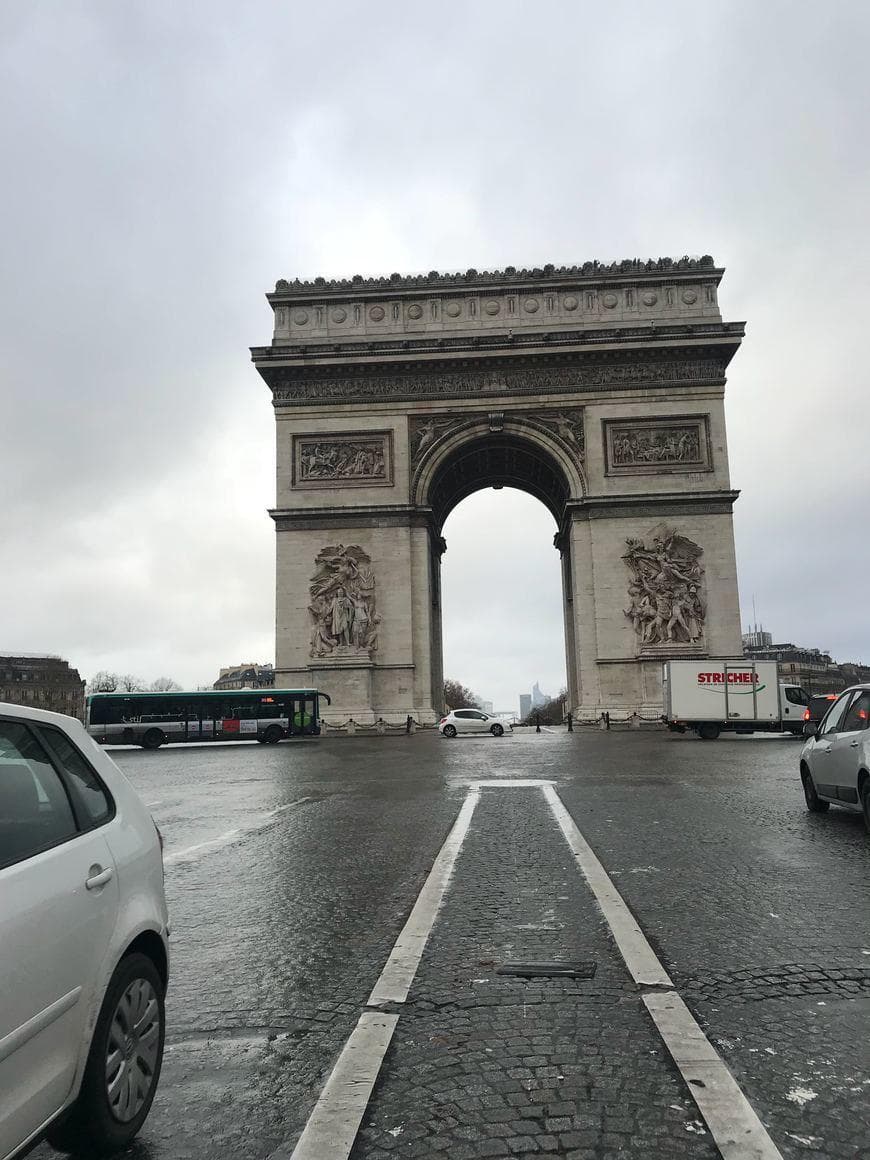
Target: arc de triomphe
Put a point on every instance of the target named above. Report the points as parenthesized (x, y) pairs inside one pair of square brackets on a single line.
[(597, 388)]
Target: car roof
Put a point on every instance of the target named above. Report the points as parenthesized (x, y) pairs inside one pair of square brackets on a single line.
[(31, 714)]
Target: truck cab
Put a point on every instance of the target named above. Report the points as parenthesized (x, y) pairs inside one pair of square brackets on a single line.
[(793, 703)]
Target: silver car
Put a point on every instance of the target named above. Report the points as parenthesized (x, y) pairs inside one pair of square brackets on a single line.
[(835, 762)]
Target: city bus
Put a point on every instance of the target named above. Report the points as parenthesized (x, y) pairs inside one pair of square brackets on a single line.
[(155, 719)]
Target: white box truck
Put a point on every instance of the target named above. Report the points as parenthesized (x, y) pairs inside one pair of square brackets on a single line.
[(739, 696)]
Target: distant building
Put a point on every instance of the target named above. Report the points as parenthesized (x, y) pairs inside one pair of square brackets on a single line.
[(538, 698), (246, 676), (811, 668), (486, 706), (525, 705), (757, 639), (43, 682)]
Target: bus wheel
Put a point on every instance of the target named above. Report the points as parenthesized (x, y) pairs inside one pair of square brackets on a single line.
[(153, 739), (273, 735), (708, 731)]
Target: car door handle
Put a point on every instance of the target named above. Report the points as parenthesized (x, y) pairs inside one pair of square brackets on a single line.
[(98, 879), (824, 749), (854, 744)]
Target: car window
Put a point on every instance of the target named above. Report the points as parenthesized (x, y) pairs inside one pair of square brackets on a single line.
[(462, 713), (87, 787), (796, 696), (858, 714), (35, 812), (831, 723)]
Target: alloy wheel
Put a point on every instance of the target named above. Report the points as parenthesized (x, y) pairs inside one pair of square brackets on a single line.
[(132, 1050)]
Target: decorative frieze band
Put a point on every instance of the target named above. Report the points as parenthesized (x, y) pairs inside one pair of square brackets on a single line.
[(330, 460), (657, 446), (529, 381)]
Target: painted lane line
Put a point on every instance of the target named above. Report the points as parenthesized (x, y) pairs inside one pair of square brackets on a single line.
[(643, 965), (736, 1129), (334, 1123), (733, 1123), (513, 783), (193, 853), (401, 967)]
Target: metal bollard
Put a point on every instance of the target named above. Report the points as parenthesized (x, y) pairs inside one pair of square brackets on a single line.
[(570, 723)]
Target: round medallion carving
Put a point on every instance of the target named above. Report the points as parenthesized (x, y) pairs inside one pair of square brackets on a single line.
[(650, 298), (300, 317), (376, 314), (570, 303), (339, 315), (689, 296), (609, 300), (453, 309), (415, 311), (492, 307), (530, 305)]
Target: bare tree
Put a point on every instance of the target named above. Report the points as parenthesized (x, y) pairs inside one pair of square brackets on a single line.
[(165, 685), (552, 712), (103, 682), (457, 696), (131, 684)]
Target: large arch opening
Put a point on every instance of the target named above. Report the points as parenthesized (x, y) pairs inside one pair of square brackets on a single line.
[(503, 618)]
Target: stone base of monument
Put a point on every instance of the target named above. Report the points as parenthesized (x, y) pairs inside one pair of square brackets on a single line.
[(346, 676)]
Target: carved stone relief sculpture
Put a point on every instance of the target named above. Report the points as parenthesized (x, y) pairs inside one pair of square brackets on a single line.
[(666, 600), (342, 609), (566, 426), (349, 460), (680, 444)]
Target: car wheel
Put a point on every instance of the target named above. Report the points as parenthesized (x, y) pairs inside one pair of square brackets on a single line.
[(123, 1064), (708, 732), (273, 735), (814, 803), (449, 730), (497, 730), (153, 739)]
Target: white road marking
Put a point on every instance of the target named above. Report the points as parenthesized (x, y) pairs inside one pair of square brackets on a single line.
[(643, 965), (401, 966), (731, 1119), (200, 849), (513, 783), (335, 1121), (333, 1124)]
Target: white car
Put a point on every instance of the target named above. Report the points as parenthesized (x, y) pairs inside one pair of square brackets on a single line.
[(84, 935), (835, 762), (471, 721)]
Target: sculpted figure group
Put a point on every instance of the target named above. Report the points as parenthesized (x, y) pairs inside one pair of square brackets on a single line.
[(342, 461), (673, 445), (342, 604), (665, 591)]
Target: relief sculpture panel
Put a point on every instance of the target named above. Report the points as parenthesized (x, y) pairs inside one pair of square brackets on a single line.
[(681, 443), (666, 601), (343, 461), (343, 612)]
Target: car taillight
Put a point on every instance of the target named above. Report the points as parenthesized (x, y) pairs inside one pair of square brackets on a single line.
[(443, 719), (806, 714)]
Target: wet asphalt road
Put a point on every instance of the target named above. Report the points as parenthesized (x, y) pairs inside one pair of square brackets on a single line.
[(291, 870)]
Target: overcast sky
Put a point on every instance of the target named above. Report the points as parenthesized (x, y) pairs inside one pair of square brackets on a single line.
[(164, 163)]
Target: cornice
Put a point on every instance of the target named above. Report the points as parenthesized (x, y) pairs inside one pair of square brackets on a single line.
[(620, 338)]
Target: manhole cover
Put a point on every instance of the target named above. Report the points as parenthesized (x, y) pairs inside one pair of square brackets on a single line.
[(553, 968)]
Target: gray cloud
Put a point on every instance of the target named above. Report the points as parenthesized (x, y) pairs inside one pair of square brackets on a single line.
[(166, 163)]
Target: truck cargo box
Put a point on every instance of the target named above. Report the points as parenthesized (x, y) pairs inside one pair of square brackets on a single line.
[(729, 692)]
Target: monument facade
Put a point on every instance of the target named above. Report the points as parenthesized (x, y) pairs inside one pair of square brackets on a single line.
[(597, 388)]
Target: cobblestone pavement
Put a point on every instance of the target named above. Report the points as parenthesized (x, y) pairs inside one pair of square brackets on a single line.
[(292, 869)]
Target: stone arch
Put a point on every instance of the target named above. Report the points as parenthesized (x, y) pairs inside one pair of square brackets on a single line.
[(483, 452)]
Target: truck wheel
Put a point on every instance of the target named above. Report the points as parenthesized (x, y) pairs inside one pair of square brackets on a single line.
[(708, 731), (814, 803), (273, 735)]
